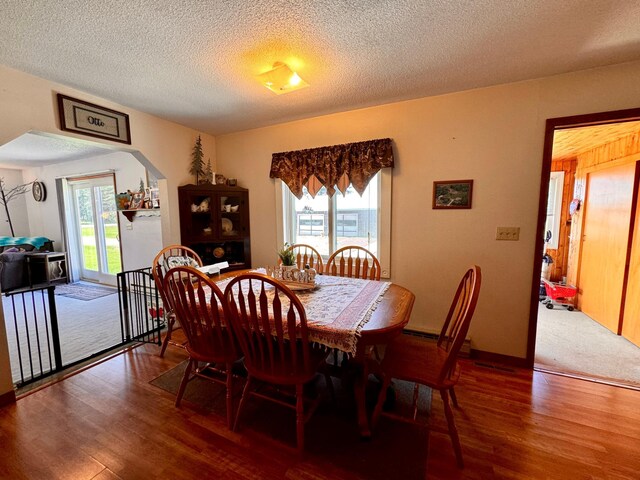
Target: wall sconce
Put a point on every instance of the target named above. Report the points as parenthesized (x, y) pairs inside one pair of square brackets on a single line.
[(281, 79)]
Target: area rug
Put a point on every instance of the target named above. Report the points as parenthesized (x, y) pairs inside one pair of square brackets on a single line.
[(84, 291), (397, 450)]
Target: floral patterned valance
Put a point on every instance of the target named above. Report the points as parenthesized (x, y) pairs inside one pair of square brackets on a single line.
[(334, 167)]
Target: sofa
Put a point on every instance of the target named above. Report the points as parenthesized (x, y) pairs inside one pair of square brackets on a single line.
[(13, 270), (13, 265)]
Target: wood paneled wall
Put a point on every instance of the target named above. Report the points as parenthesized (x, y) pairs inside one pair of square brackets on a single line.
[(621, 150), (561, 254)]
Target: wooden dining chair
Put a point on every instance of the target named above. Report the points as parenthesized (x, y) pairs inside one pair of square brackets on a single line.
[(270, 324), (168, 257), (434, 364), (198, 306), (307, 255), (354, 262)]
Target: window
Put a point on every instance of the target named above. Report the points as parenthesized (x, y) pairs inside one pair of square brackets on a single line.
[(554, 209), (328, 224)]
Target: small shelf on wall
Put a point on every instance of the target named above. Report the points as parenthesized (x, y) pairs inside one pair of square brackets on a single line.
[(140, 212)]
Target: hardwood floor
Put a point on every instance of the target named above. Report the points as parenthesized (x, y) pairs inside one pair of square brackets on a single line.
[(108, 422)]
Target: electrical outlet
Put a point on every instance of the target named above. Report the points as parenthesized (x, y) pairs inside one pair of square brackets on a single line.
[(129, 226), (508, 233)]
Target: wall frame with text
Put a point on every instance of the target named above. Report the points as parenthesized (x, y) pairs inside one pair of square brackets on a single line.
[(93, 120)]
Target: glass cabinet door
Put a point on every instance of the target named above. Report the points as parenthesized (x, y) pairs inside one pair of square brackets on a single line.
[(231, 216), (200, 224)]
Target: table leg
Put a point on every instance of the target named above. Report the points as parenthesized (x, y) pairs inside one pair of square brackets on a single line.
[(360, 386)]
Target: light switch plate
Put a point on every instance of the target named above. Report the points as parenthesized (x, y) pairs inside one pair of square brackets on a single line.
[(508, 233)]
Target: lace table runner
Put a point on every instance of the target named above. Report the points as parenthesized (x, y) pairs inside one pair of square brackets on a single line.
[(337, 309)]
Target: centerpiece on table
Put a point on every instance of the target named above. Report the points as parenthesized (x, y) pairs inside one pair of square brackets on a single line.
[(289, 273)]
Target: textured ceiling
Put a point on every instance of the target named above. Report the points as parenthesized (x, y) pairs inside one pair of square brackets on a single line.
[(572, 141), (36, 150), (195, 62)]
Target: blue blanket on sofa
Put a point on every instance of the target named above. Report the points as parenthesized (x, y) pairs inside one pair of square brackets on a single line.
[(37, 242)]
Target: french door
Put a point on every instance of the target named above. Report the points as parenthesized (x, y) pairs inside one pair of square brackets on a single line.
[(96, 228)]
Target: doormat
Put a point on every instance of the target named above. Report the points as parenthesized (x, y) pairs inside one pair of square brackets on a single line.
[(83, 291), (397, 449)]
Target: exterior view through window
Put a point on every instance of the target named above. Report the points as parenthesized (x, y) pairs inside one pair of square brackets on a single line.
[(328, 224), (97, 228)]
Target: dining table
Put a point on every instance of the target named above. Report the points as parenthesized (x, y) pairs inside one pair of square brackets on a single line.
[(381, 309)]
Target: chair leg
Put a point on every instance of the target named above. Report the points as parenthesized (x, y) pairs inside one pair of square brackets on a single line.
[(453, 433), (167, 337), (183, 383), (329, 382), (454, 399), (229, 395), (245, 394), (416, 395), (382, 396), (300, 417)]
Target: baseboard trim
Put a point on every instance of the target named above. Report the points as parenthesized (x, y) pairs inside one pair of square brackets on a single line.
[(7, 398), (499, 358), (431, 335)]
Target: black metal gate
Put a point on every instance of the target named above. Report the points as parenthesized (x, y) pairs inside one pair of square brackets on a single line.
[(31, 318), (32, 334), (141, 311)]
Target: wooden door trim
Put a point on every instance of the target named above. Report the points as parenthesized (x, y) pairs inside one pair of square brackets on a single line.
[(553, 124), (583, 219), (627, 264)]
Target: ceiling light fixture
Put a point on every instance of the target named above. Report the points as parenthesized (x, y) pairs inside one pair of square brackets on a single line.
[(281, 79)]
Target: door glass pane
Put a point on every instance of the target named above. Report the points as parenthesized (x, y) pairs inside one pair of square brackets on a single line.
[(108, 217), (87, 230), (357, 217), (311, 220)]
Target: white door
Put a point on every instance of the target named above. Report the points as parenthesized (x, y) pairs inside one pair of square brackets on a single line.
[(96, 228)]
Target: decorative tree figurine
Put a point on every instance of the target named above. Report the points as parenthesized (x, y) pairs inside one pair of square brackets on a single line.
[(196, 160), (7, 195), (208, 173), (141, 188)]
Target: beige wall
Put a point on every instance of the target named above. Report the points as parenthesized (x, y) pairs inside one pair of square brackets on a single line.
[(492, 135), (140, 240), (17, 207), (28, 103)]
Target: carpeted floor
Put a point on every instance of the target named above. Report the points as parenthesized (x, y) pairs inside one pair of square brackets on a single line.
[(84, 291), (331, 432), (571, 342)]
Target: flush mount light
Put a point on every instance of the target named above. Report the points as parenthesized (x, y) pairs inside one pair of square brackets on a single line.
[(281, 79)]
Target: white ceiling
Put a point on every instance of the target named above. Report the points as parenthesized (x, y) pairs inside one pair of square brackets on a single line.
[(195, 62), (35, 150)]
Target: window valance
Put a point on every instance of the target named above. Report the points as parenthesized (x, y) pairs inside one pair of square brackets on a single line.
[(334, 167)]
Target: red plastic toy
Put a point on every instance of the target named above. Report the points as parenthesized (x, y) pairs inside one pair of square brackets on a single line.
[(559, 295)]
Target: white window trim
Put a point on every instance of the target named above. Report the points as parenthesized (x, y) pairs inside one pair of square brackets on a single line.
[(384, 218), (558, 179)]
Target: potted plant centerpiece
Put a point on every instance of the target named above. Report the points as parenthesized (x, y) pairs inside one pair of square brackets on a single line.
[(287, 257)]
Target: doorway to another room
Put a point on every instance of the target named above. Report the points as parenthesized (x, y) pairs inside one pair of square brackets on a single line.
[(588, 322), (93, 228)]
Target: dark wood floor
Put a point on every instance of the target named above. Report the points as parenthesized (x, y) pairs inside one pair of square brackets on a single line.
[(108, 422)]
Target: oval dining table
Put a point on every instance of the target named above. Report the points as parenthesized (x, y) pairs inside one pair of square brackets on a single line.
[(387, 322), (391, 315)]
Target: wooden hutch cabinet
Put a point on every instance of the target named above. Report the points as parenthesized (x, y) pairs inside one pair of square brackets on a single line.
[(214, 221)]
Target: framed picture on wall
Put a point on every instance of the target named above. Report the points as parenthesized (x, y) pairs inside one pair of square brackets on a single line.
[(86, 118), (452, 194)]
